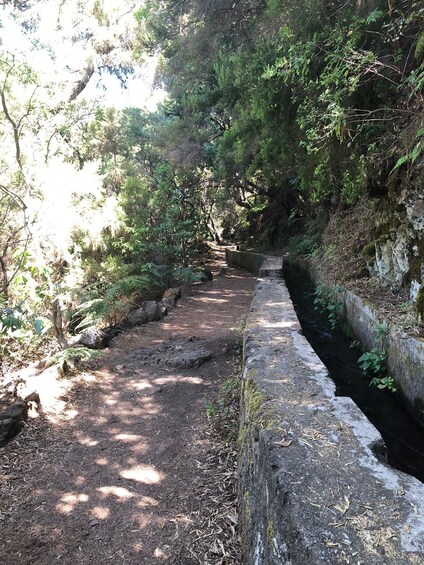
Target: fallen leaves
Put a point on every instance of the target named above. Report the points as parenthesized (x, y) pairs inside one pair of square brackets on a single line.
[(343, 506)]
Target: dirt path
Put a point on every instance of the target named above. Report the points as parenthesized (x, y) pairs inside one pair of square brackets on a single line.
[(131, 474)]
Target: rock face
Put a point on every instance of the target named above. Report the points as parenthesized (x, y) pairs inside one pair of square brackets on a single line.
[(188, 359), (399, 249), (152, 311)]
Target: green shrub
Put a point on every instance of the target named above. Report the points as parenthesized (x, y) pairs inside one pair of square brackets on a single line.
[(329, 300)]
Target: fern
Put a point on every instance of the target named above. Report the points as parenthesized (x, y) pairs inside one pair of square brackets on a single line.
[(415, 152), (74, 354), (185, 275), (108, 303)]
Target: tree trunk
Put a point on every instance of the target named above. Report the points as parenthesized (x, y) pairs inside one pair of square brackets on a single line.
[(58, 324)]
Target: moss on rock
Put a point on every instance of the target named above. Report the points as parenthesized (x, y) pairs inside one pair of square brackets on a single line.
[(368, 253)]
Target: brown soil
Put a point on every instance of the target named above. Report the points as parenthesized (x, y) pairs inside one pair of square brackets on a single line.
[(133, 472)]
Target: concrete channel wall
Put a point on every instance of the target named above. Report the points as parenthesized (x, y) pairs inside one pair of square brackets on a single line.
[(251, 262), (314, 488), (405, 353)]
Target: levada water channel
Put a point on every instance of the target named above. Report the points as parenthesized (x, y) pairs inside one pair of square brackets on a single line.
[(403, 436)]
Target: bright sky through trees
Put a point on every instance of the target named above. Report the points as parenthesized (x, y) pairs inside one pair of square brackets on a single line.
[(54, 47)]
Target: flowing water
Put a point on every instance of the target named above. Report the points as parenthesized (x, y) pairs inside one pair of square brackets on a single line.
[(403, 436)]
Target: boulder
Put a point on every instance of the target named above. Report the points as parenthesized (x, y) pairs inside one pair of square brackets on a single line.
[(93, 338), (189, 358), (12, 420), (206, 275), (170, 297), (149, 311), (16, 411), (9, 428)]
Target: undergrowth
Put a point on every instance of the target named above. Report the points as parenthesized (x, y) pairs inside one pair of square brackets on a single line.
[(223, 414)]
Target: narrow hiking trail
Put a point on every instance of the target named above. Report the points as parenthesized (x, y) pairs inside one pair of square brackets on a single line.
[(130, 472)]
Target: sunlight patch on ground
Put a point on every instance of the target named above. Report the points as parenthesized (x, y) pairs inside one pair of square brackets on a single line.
[(98, 420), (69, 414), (141, 385), (178, 379), (69, 501), (51, 389), (146, 502), (146, 474), (160, 554), (86, 440), (100, 512), (128, 438), (139, 448), (119, 492), (211, 299), (149, 405), (144, 521)]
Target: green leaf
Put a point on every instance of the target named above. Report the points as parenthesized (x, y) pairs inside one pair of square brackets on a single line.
[(38, 326), (374, 16)]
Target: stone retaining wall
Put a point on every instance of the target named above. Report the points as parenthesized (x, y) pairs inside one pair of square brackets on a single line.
[(313, 486)]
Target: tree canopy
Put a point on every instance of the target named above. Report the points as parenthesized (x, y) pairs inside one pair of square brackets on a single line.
[(277, 113)]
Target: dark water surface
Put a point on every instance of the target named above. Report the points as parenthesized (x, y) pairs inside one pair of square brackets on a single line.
[(403, 436)]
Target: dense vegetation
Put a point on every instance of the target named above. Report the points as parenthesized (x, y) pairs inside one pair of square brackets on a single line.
[(281, 117)]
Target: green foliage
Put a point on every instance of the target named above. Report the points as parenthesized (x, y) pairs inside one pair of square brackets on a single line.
[(412, 156), (186, 275), (384, 383), (307, 243), (24, 314), (329, 300), (419, 48), (277, 114), (354, 181), (74, 354), (108, 303), (309, 91), (373, 363), (21, 331)]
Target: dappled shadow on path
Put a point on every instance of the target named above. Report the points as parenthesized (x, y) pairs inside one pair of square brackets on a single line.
[(120, 481)]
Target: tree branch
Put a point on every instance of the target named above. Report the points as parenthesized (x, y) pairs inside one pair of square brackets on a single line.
[(15, 129)]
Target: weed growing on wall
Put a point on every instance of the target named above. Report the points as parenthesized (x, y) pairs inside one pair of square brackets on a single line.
[(329, 300), (373, 363)]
